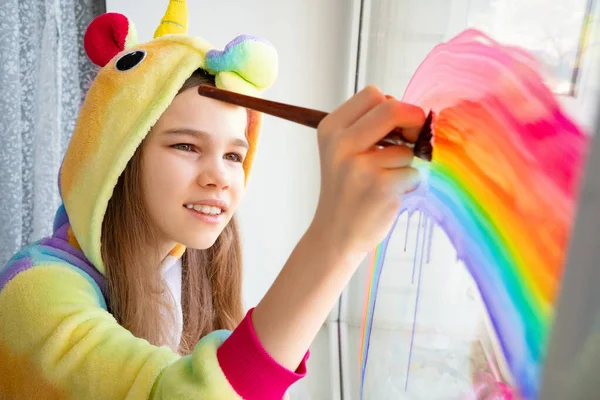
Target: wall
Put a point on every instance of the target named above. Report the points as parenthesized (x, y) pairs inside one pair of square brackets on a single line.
[(312, 38)]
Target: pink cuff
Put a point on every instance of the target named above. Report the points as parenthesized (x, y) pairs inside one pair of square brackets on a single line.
[(250, 370)]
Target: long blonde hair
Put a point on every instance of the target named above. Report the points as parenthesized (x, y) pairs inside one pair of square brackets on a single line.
[(137, 293)]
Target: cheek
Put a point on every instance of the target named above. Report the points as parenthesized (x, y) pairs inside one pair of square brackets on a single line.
[(238, 188), (164, 180)]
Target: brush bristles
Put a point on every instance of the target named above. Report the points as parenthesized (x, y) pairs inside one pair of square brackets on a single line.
[(423, 147)]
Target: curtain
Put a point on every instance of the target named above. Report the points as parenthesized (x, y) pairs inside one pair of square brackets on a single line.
[(43, 76)]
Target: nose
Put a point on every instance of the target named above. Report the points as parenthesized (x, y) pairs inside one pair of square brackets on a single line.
[(214, 175)]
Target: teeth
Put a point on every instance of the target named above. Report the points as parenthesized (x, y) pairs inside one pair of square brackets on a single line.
[(210, 210)]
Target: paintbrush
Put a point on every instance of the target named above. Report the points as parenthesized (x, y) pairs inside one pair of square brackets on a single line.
[(422, 147)]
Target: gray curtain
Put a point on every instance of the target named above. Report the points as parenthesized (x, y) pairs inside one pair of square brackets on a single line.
[(43, 76)]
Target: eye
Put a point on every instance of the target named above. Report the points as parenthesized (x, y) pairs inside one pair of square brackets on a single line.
[(130, 60), (183, 147), (235, 157)]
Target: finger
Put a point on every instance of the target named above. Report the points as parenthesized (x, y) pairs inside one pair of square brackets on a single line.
[(404, 179), (390, 157), (382, 119), (357, 106)]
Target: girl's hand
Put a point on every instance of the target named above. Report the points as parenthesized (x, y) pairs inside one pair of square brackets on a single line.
[(362, 184)]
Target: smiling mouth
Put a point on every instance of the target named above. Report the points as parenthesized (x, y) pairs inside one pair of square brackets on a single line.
[(204, 209)]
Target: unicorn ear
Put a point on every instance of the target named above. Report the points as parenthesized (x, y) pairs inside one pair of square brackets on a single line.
[(175, 19), (107, 35)]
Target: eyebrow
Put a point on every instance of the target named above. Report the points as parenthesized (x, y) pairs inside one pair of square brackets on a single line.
[(205, 136)]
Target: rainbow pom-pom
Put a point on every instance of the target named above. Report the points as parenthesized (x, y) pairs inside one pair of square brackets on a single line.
[(252, 58)]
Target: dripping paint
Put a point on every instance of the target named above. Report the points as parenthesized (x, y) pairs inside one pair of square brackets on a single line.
[(502, 185), (420, 252)]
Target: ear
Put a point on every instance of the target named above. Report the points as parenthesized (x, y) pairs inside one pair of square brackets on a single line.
[(107, 35)]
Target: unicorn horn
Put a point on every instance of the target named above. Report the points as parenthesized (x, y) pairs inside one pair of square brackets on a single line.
[(175, 19)]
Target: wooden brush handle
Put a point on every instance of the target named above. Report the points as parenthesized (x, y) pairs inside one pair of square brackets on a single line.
[(300, 115)]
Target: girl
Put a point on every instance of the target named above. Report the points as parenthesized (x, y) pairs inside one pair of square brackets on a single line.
[(137, 293)]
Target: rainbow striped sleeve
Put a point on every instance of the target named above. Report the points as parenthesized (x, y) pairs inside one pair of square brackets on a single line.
[(58, 341)]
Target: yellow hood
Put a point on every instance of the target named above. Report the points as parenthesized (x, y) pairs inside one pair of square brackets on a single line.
[(135, 85)]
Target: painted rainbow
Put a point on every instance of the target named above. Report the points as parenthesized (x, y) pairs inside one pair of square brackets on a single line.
[(502, 184)]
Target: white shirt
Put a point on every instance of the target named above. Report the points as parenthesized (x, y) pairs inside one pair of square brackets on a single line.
[(171, 268)]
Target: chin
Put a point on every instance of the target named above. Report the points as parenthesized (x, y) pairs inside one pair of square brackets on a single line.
[(198, 243)]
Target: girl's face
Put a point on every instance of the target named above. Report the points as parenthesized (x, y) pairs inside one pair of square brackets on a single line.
[(191, 169)]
